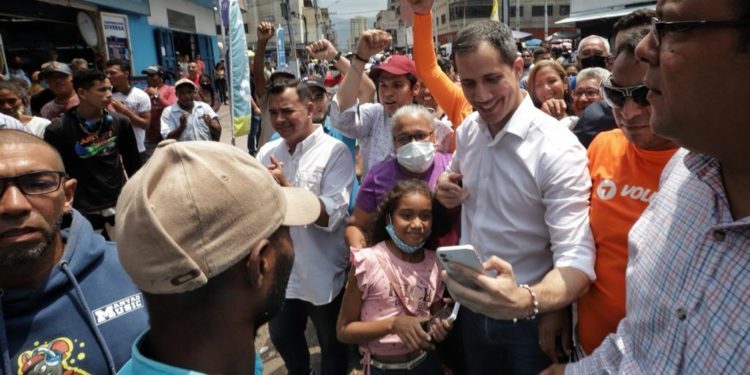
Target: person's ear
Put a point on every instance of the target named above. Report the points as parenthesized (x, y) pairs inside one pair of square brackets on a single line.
[(257, 263), (310, 108), (518, 67), (69, 188)]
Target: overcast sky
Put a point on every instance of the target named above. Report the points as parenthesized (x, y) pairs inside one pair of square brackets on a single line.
[(343, 10)]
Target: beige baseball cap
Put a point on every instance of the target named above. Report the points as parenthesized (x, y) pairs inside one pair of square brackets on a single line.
[(195, 209)]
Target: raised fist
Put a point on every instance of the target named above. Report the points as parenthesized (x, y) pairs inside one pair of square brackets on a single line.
[(322, 50), (372, 42), (265, 31)]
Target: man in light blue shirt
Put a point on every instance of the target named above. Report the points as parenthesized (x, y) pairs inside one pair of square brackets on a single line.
[(189, 119)]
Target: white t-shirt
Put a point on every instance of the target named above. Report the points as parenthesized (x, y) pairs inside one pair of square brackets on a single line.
[(137, 101)]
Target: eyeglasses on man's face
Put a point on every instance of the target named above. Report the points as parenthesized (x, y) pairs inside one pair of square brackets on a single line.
[(34, 183), (659, 27), (403, 139), (616, 96), (589, 93)]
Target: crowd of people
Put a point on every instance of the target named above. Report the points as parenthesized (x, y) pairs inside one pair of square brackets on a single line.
[(604, 192)]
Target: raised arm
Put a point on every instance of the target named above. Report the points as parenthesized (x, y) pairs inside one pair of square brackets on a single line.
[(265, 32), (447, 94), (324, 50), (370, 43)]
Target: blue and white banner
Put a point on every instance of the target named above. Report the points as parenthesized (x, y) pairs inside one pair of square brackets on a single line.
[(280, 49), (238, 69)]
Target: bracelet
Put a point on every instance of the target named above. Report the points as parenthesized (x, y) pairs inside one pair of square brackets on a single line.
[(534, 303), (356, 56), (337, 57)]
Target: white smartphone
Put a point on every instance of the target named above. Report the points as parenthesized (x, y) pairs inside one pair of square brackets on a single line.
[(466, 255)]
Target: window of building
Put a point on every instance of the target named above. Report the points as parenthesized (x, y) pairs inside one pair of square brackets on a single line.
[(564, 10), (538, 11), (442, 19), (513, 11)]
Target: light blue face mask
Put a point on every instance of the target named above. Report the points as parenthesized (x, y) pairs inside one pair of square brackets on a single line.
[(405, 247)]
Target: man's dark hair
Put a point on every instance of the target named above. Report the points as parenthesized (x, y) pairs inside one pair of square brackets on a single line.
[(444, 63), (86, 78), (538, 52), (124, 65), (498, 35), (635, 26), (303, 91), (743, 10)]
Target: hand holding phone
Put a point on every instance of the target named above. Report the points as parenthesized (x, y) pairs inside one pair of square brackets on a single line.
[(434, 326)]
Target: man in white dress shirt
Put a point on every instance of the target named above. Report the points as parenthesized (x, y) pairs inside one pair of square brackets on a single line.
[(189, 119), (306, 157), (523, 185)]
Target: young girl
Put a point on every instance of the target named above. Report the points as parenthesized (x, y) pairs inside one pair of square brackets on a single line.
[(394, 286)]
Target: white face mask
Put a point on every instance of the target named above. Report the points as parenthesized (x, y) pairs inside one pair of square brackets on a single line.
[(416, 156)]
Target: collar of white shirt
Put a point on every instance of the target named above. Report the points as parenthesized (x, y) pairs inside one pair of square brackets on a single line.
[(519, 123), (308, 142)]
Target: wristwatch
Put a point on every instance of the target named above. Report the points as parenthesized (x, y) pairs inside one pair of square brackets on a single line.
[(337, 57)]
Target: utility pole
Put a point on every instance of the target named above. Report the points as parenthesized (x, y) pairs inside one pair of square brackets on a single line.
[(518, 15), (315, 9), (288, 14), (546, 25)]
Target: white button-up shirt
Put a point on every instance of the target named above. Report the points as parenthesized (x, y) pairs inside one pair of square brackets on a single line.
[(528, 193), (323, 165), (196, 129)]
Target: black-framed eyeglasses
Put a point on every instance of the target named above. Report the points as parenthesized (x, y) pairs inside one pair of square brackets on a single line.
[(616, 96), (659, 27), (34, 183), (591, 93), (416, 136)]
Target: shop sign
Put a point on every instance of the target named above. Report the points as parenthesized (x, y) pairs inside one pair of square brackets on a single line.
[(117, 36)]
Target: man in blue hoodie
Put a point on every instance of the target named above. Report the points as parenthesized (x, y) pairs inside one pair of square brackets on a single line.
[(67, 305)]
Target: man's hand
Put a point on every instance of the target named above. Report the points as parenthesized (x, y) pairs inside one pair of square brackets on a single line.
[(277, 171), (551, 326), (152, 91), (372, 42), (555, 369), (183, 120), (409, 329), (449, 193), (118, 106), (555, 108), (322, 50), (497, 297), (265, 31), (421, 6)]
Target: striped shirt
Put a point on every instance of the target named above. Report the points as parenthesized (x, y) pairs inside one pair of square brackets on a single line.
[(688, 282)]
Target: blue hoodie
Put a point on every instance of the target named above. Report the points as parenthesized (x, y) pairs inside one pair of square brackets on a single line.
[(82, 319)]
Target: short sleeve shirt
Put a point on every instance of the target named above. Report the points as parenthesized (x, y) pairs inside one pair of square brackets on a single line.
[(137, 101), (196, 130)]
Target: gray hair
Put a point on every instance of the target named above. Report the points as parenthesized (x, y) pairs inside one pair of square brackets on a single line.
[(599, 74), (498, 35), (413, 110), (592, 38)]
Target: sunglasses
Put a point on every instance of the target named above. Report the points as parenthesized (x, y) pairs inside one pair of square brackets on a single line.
[(617, 96), (659, 27)]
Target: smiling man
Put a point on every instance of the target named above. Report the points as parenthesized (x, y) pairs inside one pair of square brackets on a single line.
[(523, 186), (67, 305), (307, 157), (370, 123)]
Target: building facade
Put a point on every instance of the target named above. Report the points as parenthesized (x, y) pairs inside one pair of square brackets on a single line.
[(357, 26), (304, 18), (143, 32), (450, 16)]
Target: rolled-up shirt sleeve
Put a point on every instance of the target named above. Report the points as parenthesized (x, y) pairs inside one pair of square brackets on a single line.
[(351, 122), (566, 190), (336, 187)]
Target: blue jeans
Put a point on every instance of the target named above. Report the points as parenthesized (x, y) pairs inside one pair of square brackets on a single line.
[(500, 346), (287, 331), (430, 366)]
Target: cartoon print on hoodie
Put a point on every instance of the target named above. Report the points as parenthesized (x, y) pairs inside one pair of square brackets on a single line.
[(52, 358)]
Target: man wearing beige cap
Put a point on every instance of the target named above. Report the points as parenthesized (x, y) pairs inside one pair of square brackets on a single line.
[(189, 119), (307, 157), (212, 264)]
